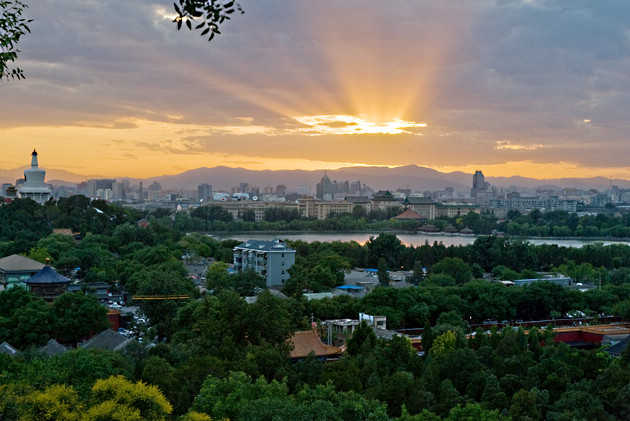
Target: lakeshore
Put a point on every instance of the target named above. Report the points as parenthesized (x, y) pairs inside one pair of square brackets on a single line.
[(407, 238)]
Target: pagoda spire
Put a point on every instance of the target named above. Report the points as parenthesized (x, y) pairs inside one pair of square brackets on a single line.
[(34, 163)]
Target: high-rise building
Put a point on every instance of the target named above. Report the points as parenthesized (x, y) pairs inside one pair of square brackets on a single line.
[(303, 190), (94, 185), (155, 186), (325, 189), (204, 191), (118, 190), (478, 183), (355, 188)]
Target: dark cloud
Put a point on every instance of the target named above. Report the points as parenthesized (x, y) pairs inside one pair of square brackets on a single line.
[(529, 72)]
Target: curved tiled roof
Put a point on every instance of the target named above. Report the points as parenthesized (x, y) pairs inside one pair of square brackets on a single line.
[(17, 263), (47, 276)]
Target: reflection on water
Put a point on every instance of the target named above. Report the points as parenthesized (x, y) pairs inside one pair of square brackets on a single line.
[(407, 239)]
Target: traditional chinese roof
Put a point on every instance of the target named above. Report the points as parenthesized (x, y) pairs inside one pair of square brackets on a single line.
[(383, 195), (413, 200), (450, 228), (6, 348), (17, 263), (428, 228), (358, 199), (617, 349), (305, 342), (107, 340), (47, 276), (52, 348), (408, 215)]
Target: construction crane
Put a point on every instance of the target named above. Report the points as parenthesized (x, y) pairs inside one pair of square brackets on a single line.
[(160, 297)]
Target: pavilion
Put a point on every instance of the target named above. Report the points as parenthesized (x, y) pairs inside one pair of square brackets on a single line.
[(47, 283)]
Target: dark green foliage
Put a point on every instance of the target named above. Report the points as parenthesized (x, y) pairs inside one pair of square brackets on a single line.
[(211, 14), (211, 213), (12, 27), (78, 316), (454, 267), (385, 246), (490, 376), (362, 338), (383, 275)]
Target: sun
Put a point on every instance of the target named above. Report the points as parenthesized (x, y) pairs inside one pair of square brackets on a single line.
[(354, 125)]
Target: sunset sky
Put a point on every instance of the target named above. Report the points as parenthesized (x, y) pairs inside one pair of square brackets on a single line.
[(534, 88)]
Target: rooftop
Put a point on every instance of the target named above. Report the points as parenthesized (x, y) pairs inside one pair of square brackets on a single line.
[(305, 342), (17, 263), (107, 340), (47, 276), (273, 245)]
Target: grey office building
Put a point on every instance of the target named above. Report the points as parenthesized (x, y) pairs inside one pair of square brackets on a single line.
[(271, 259)]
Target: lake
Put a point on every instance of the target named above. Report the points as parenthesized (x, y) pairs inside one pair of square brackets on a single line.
[(407, 239)]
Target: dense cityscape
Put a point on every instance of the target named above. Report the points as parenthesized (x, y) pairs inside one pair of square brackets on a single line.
[(330, 197)]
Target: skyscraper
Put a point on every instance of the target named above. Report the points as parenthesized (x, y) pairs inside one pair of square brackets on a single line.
[(325, 189), (478, 183), (204, 191)]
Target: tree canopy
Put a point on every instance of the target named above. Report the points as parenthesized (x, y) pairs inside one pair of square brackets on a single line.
[(12, 27)]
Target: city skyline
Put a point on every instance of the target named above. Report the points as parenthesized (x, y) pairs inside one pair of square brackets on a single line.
[(530, 88)]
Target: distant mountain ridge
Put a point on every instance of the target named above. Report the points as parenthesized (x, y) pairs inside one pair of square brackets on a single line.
[(378, 178)]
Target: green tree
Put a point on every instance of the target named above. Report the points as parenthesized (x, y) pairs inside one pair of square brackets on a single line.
[(383, 275), (622, 309), (454, 267), (386, 246), (12, 27), (31, 325), (78, 316), (525, 405), (230, 397), (217, 277), (474, 412), (249, 215), (363, 338), (247, 282), (158, 284)]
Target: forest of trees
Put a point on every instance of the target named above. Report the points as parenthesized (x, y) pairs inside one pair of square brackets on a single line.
[(217, 357)]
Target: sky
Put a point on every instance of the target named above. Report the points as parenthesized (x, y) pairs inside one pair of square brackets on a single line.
[(535, 88)]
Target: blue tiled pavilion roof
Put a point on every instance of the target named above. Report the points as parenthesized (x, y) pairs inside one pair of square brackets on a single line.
[(47, 276)]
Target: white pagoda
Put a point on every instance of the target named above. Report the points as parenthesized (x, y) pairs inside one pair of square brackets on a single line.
[(34, 185)]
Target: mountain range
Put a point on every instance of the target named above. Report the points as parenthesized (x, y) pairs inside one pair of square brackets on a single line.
[(411, 177)]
